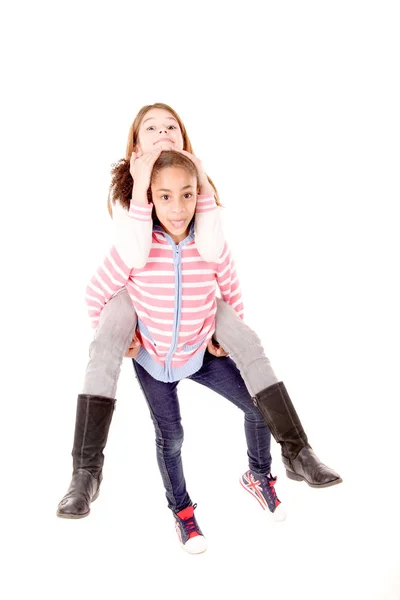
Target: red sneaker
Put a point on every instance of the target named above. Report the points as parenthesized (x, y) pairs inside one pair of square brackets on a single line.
[(189, 533)]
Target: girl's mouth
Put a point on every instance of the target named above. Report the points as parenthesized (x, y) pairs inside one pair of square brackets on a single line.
[(165, 140), (178, 224)]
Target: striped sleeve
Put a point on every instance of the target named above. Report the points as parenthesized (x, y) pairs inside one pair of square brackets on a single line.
[(132, 233), (208, 232), (110, 277), (228, 282)]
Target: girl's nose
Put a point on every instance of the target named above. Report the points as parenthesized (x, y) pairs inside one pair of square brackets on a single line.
[(178, 207)]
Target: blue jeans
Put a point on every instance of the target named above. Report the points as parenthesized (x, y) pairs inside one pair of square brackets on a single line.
[(222, 376)]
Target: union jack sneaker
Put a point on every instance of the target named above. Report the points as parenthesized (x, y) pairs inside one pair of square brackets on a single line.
[(263, 490), (189, 533)]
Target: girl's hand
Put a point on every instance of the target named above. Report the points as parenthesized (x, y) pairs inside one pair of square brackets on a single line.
[(134, 348), (141, 166), (204, 185), (215, 349)]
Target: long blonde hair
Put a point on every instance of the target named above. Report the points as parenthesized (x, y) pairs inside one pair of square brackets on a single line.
[(121, 180)]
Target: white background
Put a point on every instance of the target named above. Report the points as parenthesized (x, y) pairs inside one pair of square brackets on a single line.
[(294, 109)]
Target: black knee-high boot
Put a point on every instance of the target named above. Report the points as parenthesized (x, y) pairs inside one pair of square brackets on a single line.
[(93, 419), (301, 462)]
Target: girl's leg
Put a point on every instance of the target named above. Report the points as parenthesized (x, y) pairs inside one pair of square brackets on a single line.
[(96, 404), (163, 403), (271, 397), (222, 376), (245, 348), (112, 338)]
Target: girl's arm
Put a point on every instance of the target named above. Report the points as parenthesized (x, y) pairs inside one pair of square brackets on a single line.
[(133, 232), (228, 282), (208, 232), (110, 277), (133, 229)]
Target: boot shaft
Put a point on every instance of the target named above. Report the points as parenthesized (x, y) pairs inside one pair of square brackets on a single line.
[(282, 419), (92, 424)]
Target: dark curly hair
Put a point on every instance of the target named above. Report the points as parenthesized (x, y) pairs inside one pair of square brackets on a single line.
[(121, 183), (121, 180)]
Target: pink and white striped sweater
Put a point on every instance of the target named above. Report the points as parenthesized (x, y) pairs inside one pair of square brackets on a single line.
[(133, 231), (174, 296)]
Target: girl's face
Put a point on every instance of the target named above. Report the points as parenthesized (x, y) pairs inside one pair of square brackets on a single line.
[(174, 195), (159, 129)]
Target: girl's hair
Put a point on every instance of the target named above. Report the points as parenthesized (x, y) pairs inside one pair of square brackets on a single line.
[(121, 180), (171, 158)]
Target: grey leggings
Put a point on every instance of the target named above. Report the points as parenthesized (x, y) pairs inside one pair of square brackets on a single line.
[(115, 332)]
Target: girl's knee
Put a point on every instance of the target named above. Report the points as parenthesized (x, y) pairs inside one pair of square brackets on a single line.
[(229, 325), (169, 436), (170, 446), (119, 309), (253, 416), (117, 324)]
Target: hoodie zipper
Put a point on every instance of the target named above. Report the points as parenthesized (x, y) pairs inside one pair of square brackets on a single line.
[(178, 297)]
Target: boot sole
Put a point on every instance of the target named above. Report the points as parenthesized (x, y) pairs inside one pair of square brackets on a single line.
[(296, 477), (75, 516), (71, 515)]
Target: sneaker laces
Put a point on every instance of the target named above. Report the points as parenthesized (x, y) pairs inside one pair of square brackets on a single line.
[(271, 489), (189, 523)]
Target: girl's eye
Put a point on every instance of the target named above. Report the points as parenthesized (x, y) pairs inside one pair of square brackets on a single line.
[(165, 197), (172, 127), (187, 195), (150, 128)]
